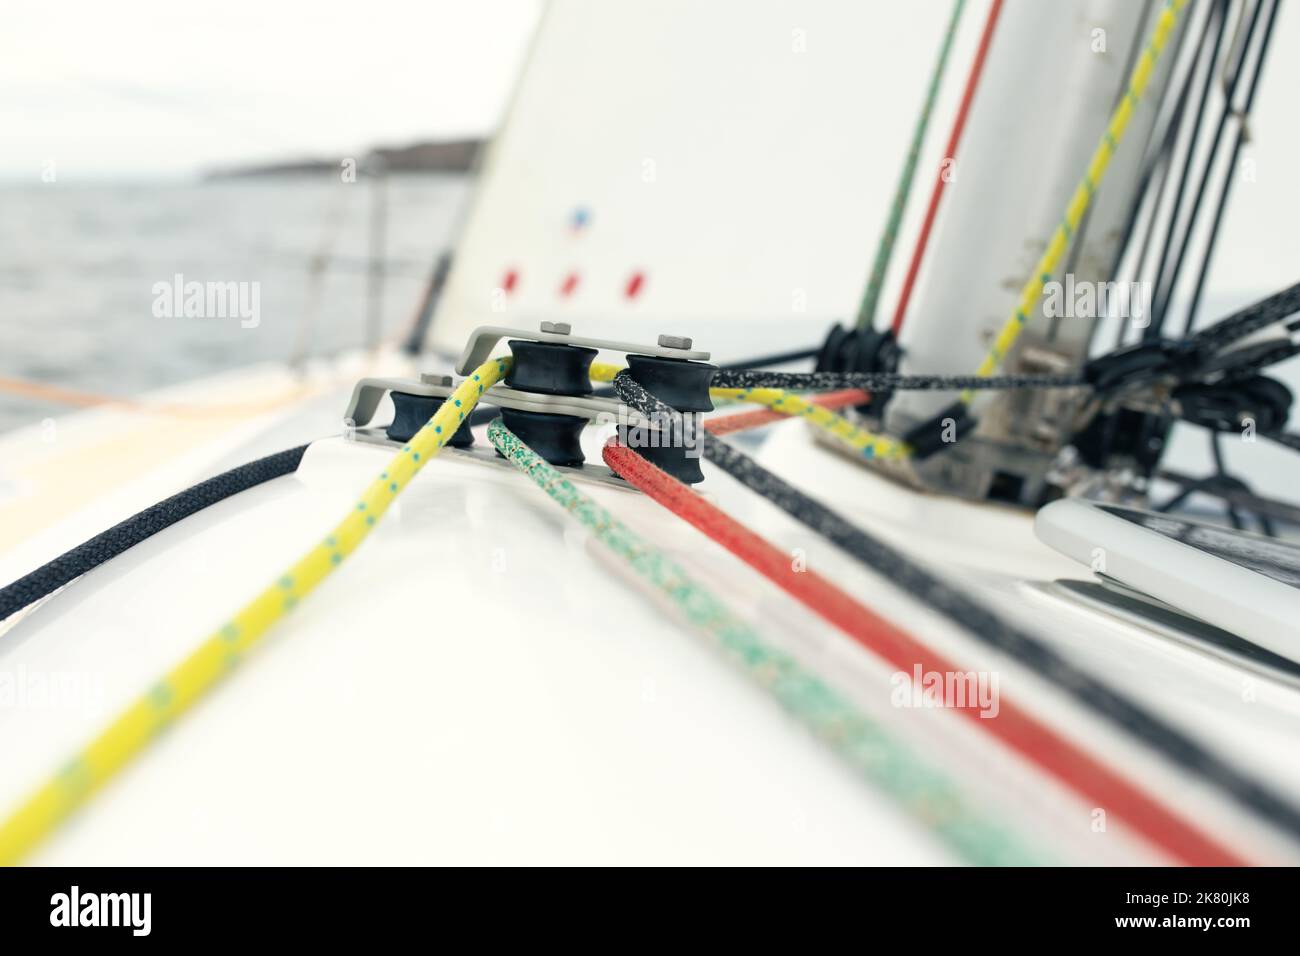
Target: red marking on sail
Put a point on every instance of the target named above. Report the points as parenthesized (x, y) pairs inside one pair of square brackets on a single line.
[(510, 280), (634, 284), (570, 285)]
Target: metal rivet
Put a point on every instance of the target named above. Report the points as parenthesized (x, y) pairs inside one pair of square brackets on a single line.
[(557, 328), (675, 342)]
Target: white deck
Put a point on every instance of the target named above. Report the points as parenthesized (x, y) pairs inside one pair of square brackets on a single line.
[(480, 683)]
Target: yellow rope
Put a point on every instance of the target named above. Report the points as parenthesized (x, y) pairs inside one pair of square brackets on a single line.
[(1083, 193), (179, 689), (869, 444)]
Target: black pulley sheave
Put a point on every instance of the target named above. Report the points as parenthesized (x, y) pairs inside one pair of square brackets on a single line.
[(548, 368), (683, 386), (678, 383), (860, 350), (412, 412), (556, 438)]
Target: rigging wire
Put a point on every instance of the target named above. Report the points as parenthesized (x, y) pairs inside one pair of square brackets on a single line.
[(177, 691), (982, 622), (317, 268), (925, 792), (1165, 287), (780, 358), (885, 248), (1266, 510), (1221, 471), (423, 318), (1218, 20), (1158, 173), (1240, 138), (1156, 165)]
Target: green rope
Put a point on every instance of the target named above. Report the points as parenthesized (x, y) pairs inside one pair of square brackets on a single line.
[(884, 251), (925, 792)]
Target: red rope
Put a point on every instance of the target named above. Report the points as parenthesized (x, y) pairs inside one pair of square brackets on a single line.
[(729, 424), (950, 153), (1033, 740)]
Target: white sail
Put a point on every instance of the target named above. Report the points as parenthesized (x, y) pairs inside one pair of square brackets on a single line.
[(740, 157)]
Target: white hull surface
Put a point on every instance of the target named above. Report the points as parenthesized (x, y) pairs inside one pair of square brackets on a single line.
[(482, 682)]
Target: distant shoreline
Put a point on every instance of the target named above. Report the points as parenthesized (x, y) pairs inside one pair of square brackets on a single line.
[(447, 156)]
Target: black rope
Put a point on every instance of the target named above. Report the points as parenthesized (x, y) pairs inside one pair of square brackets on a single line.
[(1231, 169), (1164, 289), (1229, 489), (979, 620), (1160, 169), (1154, 167), (1243, 322), (1221, 473), (780, 358), (109, 544), (878, 381), (1218, 13)]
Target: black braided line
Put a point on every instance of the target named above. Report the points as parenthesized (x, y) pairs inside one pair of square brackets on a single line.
[(884, 381), (981, 622), (127, 534), (1263, 356), (1275, 308)]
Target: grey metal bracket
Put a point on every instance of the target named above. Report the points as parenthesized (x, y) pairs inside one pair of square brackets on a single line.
[(485, 338), (486, 455), (369, 392)]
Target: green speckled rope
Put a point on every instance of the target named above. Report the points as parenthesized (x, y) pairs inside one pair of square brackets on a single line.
[(884, 251), (924, 791)]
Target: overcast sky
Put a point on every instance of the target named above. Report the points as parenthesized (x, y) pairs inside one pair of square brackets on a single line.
[(147, 87)]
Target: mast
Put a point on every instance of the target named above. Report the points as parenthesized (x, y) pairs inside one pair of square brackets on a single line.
[(1054, 75)]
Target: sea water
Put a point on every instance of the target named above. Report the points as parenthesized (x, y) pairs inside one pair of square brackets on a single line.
[(82, 269)]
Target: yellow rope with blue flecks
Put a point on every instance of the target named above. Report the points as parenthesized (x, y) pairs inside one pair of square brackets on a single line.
[(866, 443), (184, 685), (1083, 194)]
